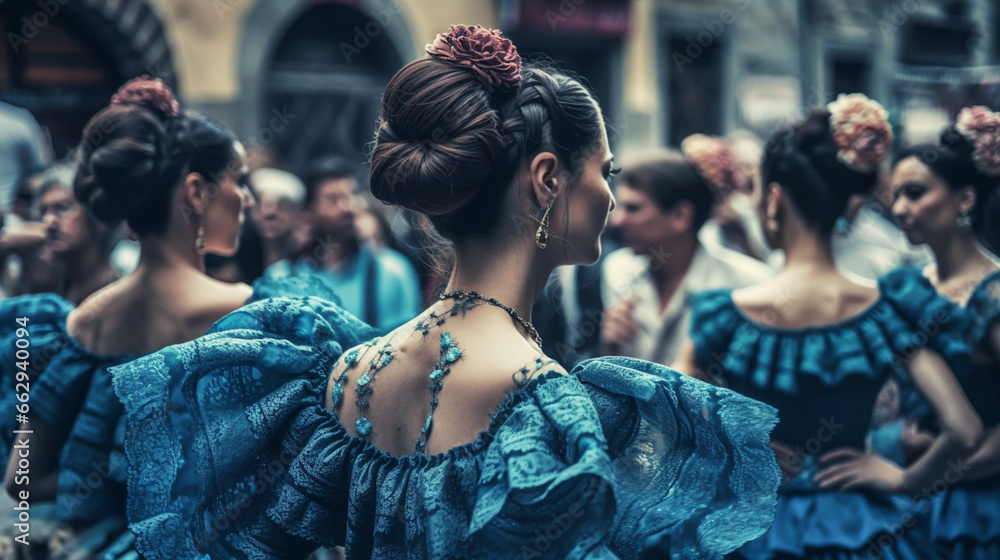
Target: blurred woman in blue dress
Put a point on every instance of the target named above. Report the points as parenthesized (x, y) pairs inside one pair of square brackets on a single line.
[(945, 197), (291, 425), (818, 346), (178, 180)]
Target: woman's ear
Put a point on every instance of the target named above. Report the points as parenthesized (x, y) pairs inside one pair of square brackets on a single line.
[(546, 182), (194, 195), (775, 197), (966, 199)]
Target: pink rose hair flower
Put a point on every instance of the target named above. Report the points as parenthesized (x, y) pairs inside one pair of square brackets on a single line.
[(714, 160), (981, 127), (486, 52), (861, 131), (150, 93)]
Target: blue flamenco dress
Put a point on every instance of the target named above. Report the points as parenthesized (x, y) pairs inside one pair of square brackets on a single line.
[(71, 391), (232, 454), (824, 381), (965, 515)]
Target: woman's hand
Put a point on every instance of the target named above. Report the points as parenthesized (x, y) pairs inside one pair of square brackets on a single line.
[(914, 441), (855, 469), (788, 460)]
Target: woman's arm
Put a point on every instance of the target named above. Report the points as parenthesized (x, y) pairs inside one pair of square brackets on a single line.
[(961, 427), (41, 477), (986, 460), (961, 430), (685, 363)]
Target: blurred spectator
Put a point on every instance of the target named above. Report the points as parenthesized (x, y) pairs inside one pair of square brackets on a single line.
[(27, 267), (867, 244), (378, 286), (733, 223), (74, 238), (647, 286), (280, 196), (24, 196), (22, 147)]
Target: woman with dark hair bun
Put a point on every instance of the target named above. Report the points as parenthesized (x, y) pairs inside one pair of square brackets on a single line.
[(178, 180), (946, 196), (819, 346), (452, 436)]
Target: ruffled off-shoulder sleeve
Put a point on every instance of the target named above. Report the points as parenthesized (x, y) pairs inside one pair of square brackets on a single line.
[(295, 283), (984, 308), (931, 320), (223, 417), (44, 331), (627, 457)]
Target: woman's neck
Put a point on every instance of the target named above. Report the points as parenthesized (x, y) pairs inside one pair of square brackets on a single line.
[(955, 255), (805, 249), (161, 253), (514, 275)]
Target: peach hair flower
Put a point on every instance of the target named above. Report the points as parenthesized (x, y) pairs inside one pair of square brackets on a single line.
[(861, 131), (150, 93), (714, 160), (486, 52), (981, 127)]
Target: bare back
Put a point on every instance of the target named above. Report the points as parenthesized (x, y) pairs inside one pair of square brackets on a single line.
[(477, 358), (145, 312), (795, 301)]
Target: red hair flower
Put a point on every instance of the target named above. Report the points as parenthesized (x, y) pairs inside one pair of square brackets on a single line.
[(150, 93), (486, 52), (714, 160)]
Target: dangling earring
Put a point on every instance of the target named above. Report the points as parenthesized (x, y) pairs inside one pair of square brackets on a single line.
[(964, 221), (199, 241), (772, 223), (542, 234)]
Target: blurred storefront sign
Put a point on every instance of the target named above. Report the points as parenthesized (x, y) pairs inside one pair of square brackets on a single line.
[(609, 18)]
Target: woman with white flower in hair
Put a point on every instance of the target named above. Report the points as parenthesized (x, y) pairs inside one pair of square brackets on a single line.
[(946, 197), (818, 346)]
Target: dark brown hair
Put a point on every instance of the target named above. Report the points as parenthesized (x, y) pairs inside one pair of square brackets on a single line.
[(448, 147), (803, 160), (133, 157)]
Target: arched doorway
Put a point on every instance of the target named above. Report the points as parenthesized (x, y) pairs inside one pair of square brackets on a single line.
[(323, 73), (63, 60)]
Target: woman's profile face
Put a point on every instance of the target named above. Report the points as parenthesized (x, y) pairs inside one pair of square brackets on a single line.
[(924, 206), (589, 202), (225, 213)]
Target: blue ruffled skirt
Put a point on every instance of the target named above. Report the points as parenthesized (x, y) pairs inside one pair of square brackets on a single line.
[(965, 521)]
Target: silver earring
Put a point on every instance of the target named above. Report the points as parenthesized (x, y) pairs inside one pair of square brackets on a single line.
[(199, 241), (772, 224), (542, 234), (964, 221)]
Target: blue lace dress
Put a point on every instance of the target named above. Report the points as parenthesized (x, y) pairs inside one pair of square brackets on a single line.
[(232, 454), (70, 390), (965, 517), (824, 381)]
